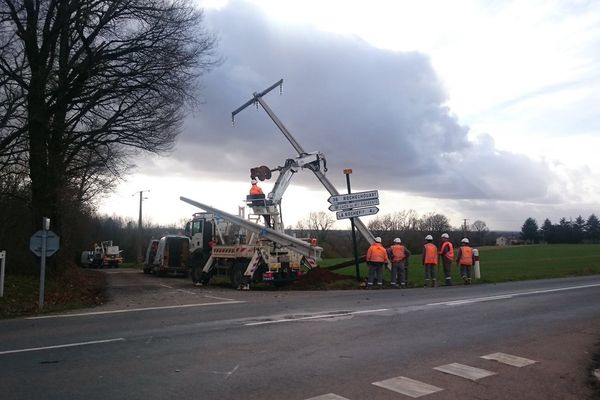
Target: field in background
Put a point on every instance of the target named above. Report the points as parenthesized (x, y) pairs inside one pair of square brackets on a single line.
[(510, 263)]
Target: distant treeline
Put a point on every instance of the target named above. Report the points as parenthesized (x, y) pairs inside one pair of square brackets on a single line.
[(566, 231)]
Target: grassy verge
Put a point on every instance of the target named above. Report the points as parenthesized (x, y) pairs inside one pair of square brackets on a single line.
[(76, 289), (511, 263)]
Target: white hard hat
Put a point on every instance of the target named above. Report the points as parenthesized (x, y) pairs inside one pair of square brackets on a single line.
[(428, 237), (397, 240), (378, 239), (445, 236), (253, 181), (465, 240)]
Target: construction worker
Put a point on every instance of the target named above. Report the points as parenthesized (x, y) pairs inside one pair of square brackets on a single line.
[(447, 255), (465, 259), (377, 257), (430, 260), (398, 255), (255, 190)]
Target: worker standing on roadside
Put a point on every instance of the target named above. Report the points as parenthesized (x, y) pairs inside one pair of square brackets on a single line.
[(398, 255), (430, 260), (465, 259), (377, 257), (255, 190), (447, 254)]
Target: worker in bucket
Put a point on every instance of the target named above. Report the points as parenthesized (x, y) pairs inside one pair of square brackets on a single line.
[(430, 260), (447, 255), (465, 259), (398, 255), (376, 258), (255, 190)]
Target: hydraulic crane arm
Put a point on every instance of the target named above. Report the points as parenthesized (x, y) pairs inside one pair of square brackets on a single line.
[(257, 99)]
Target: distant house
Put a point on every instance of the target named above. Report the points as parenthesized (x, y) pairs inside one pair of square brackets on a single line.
[(502, 241)]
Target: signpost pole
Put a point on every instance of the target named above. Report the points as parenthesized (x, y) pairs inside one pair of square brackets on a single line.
[(2, 265), (347, 172), (45, 227)]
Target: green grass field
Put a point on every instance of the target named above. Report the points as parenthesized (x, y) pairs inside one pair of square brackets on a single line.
[(511, 263)]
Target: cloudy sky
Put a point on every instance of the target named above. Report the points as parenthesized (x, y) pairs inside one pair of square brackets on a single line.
[(474, 109)]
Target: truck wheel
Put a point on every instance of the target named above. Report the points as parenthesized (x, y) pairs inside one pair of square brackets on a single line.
[(237, 274)]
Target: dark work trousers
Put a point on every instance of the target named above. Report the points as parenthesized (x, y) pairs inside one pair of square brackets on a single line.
[(399, 273), (375, 273), (447, 270)]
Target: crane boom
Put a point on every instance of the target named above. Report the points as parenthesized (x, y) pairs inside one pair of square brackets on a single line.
[(258, 98)]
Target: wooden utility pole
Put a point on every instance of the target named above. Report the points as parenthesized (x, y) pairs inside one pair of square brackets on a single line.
[(140, 257)]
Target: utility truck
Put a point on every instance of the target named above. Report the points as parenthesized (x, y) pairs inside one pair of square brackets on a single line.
[(105, 254), (255, 247)]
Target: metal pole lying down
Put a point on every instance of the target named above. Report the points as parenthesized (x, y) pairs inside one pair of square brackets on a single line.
[(320, 175)]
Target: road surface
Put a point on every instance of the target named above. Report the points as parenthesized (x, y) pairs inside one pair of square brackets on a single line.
[(163, 338)]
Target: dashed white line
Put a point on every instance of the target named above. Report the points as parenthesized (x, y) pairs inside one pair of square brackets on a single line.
[(217, 298), (135, 310), (60, 346), (163, 285), (312, 317)]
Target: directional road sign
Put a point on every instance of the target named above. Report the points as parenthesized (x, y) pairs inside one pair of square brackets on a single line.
[(345, 198), (359, 212), (353, 204), (52, 243)]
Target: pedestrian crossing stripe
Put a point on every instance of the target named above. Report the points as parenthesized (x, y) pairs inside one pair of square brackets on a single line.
[(509, 359), (328, 396), (464, 371), (408, 387)]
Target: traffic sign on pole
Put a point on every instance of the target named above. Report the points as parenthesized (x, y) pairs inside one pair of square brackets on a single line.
[(359, 212), (353, 204), (52, 243), (346, 198)]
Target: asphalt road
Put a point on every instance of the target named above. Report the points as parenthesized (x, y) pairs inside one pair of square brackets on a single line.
[(197, 343)]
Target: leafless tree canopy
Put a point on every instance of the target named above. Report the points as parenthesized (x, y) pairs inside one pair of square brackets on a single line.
[(86, 83)]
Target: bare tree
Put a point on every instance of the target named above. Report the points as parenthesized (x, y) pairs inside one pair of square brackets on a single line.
[(86, 84), (479, 230), (434, 223), (318, 223)]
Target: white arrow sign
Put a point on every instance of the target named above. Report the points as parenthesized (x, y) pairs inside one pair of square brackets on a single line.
[(359, 212), (353, 204), (345, 198)]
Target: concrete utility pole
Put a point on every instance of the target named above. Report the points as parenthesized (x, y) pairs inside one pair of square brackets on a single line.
[(140, 257), (465, 227)]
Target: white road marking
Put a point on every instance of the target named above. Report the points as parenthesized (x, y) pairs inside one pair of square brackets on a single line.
[(186, 291), (408, 387), (464, 371), (60, 346), (509, 359), (218, 298), (320, 316), (328, 396), (163, 285), (134, 310), (510, 295)]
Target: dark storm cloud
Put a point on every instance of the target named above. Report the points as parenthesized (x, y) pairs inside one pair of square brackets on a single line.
[(379, 112)]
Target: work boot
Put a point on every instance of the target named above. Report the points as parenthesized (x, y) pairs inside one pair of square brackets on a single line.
[(468, 281), (448, 282), (403, 285), (434, 283), (427, 283), (380, 286), (464, 278)]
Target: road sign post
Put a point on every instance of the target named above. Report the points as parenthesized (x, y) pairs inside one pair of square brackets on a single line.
[(347, 172), (44, 243), (2, 265)]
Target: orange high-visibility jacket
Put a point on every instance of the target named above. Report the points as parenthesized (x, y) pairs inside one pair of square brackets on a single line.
[(398, 253), (377, 253), (254, 190), (447, 250), (430, 254), (466, 256)]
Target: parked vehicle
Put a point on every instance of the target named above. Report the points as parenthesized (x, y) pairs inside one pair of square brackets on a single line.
[(105, 254), (150, 255), (172, 255)]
